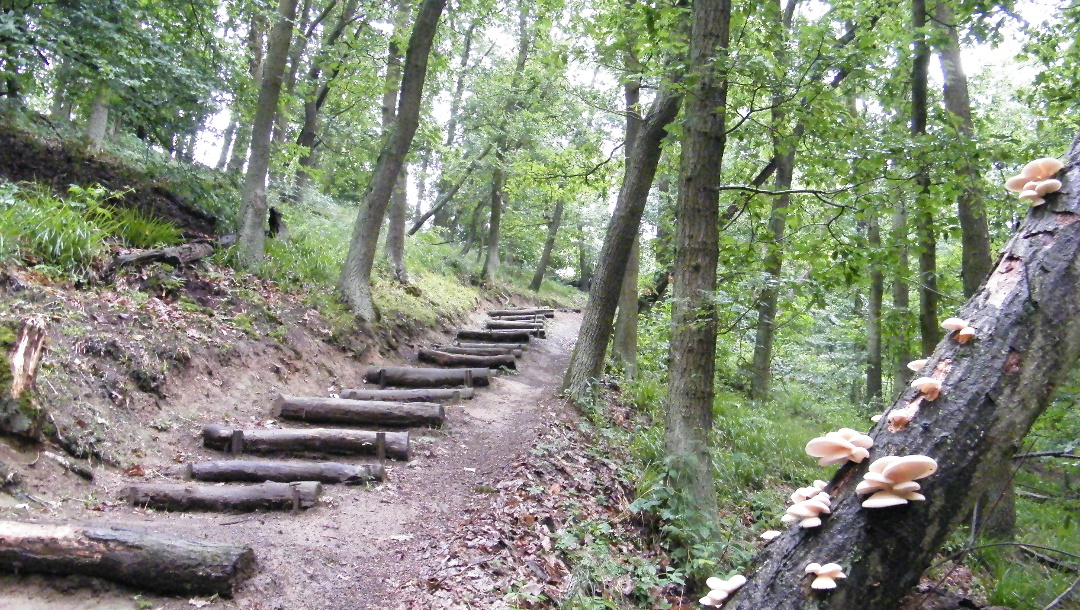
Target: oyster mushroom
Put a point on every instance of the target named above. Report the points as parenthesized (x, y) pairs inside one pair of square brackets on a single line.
[(930, 387), (825, 575), (891, 480), (720, 589), (841, 446), (808, 512), (917, 365)]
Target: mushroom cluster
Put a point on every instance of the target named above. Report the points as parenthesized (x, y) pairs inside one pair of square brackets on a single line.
[(826, 575), (805, 493), (930, 387), (891, 480), (720, 589), (808, 512), (841, 446), (964, 331), (1035, 182)]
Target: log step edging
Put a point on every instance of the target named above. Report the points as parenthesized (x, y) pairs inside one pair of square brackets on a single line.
[(419, 377), (280, 471), (448, 395), (320, 441), (495, 336), (232, 498), (447, 359), (477, 351), (143, 560), (498, 345), (378, 413), (547, 312)]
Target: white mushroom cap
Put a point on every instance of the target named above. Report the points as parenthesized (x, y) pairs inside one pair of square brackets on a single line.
[(884, 499), (954, 323), (720, 589), (891, 480), (965, 334), (910, 468), (876, 418), (769, 535), (1045, 187), (841, 446), (916, 365), (1032, 197), (930, 387), (1017, 183), (1043, 168), (826, 575)]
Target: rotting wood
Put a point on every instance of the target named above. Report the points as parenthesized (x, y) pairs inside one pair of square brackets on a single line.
[(25, 356), (516, 346), (240, 498), (143, 560), (379, 413), (538, 311), (257, 471), (495, 336), (449, 395), (176, 256), (308, 441), (416, 377), (442, 358), (477, 351)]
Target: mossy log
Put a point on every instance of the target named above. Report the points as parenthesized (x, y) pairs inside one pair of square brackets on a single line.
[(450, 395), (320, 441), (495, 336), (478, 351), (379, 413), (142, 560), (534, 311), (240, 498), (19, 415), (442, 358), (415, 377), (499, 345), (257, 471), (1027, 339), (176, 256)]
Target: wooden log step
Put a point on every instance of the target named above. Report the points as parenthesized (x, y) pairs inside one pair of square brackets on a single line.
[(413, 395), (378, 413), (216, 498), (517, 346), (495, 336), (477, 351), (416, 377), (306, 440), (523, 311), (257, 471), (527, 318), (466, 360), (143, 560), (500, 325)]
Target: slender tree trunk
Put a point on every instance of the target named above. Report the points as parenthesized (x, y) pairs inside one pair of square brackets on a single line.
[(624, 343), (585, 273), (421, 186), (230, 134), (285, 109), (873, 310), (1027, 318), (256, 28), (924, 212), (60, 91), (587, 359), (444, 197), (442, 213), (355, 283), (491, 262), (99, 119), (901, 296), (976, 260), (252, 215), (549, 245), (399, 205), (692, 354)]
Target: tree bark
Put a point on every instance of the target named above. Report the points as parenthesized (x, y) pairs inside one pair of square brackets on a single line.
[(98, 122), (256, 62), (873, 310), (449, 359), (226, 146), (423, 395), (976, 260), (399, 205), (427, 378), (355, 284), (587, 359), (624, 341), (251, 229), (306, 440), (1027, 318), (930, 332), (901, 296), (252, 471), (191, 497), (142, 560), (498, 180), (375, 413), (549, 245), (688, 417)]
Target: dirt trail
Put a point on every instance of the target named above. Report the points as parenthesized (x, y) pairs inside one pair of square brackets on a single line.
[(360, 545)]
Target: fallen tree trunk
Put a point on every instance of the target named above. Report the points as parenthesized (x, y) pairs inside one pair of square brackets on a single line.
[(414, 377), (442, 358), (305, 440), (516, 346), (417, 395), (378, 413), (1027, 323), (242, 498), (176, 256), (501, 325), (252, 471), (495, 336), (536, 311), (478, 351), (143, 560)]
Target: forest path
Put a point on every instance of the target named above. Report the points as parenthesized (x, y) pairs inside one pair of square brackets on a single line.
[(360, 545)]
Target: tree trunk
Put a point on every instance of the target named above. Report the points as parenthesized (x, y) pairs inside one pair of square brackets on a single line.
[(587, 359), (251, 229), (459, 87), (372, 413), (305, 441), (976, 260), (399, 205), (901, 297), (873, 310), (688, 417), (99, 119), (191, 497), (423, 395), (226, 145), (549, 245), (355, 284), (412, 377), (241, 105), (1027, 318), (445, 197), (624, 341), (449, 359), (924, 212), (141, 560), (257, 471)]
